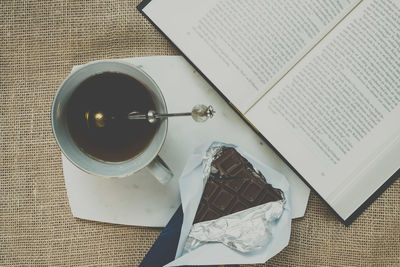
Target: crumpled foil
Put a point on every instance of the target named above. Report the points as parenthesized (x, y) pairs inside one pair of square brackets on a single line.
[(213, 152), (244, 231)]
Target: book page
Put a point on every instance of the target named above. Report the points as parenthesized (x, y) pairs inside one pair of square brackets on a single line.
[(245, 46), (335, 116)]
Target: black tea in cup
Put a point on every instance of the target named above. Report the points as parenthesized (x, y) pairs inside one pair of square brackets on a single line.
[(97, 117)]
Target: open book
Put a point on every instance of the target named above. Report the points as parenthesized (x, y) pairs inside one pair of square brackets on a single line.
[(320, 80)]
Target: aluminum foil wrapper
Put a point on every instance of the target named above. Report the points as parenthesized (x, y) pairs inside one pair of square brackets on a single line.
[(212, 153), (244, 231)]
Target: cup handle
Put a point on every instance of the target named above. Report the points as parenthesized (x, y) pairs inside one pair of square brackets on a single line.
[(160, 170)]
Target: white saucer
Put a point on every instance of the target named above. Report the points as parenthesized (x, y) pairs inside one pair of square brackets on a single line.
[(139, 199)]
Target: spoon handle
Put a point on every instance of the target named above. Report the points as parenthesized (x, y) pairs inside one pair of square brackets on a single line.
[(159, 116), (140, 116)]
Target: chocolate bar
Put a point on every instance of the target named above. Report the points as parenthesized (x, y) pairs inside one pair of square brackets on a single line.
[(233, 185)]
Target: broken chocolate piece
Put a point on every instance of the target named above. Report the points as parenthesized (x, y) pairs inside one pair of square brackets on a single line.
[(233, 185)]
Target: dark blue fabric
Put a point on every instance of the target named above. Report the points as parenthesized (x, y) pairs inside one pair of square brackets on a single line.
[(164, 249)]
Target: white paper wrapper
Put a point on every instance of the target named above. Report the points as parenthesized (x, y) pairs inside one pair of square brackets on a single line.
[(258, 248)]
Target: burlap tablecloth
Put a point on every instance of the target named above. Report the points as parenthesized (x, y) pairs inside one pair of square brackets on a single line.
[(39, 43)]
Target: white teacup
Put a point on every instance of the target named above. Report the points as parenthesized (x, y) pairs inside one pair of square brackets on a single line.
[(148, 158)]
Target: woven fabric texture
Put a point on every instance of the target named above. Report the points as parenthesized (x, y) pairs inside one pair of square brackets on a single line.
[(39, 43)]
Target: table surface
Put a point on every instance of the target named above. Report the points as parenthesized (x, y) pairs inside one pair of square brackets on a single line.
[(40, 41)]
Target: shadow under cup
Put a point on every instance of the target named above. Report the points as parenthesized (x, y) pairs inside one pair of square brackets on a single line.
[(69, 147)]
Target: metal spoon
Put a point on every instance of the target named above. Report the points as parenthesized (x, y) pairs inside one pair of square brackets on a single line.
[(199, 113)]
